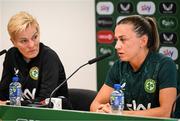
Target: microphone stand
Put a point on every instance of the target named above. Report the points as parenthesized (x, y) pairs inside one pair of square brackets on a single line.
[(89, 62), (50, 104), (3, 52)]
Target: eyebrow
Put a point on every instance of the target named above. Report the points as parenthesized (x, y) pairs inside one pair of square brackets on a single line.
[(121, 36), (35, 33), (31, 36)]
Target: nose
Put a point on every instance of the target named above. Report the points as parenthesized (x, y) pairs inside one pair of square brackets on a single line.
[(31, 43), (118, 44)]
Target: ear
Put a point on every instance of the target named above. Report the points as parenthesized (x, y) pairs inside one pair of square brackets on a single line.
[(144, 41), (13, 42)]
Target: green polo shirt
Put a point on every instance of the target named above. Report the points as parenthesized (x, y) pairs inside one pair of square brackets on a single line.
[(141, 88)]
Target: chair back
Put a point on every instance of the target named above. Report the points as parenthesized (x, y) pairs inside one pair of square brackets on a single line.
[(81, 99)]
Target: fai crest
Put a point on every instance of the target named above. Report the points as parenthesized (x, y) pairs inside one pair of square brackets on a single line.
[(150, 86), (34, 73)]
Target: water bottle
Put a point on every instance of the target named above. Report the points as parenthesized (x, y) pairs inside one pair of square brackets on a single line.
[(15, 92), (117, 99)]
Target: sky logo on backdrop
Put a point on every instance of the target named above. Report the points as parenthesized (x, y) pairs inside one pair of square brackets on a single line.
[(125, 7), (146, 8), (171, 52), (105, 8), (167, 8), (105, 36), (168, 38), (105, 22), (168, 22)]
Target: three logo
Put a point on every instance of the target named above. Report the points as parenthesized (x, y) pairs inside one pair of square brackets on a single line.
[(168, 38), (125, 7), (167, 8)]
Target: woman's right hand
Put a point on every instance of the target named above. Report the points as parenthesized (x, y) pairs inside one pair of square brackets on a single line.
[(104, 108)]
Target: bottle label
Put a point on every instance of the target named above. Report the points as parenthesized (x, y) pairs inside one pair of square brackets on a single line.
[(116, 102), (15, 91)]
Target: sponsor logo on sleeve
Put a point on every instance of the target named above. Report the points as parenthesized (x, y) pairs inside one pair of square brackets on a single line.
[(171, 52), (167, 8), (105, 8), (125, 7), (146, 8), (168, 38), (105, 36)]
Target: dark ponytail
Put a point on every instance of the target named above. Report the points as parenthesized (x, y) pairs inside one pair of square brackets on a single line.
[(153, 43)]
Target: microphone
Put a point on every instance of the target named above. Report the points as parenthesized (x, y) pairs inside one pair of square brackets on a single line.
[(173, 106), (99, 58), (89, 62), (3, 52)]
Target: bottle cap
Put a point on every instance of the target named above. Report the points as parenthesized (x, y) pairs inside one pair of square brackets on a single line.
[(117, 86), (15, 79)]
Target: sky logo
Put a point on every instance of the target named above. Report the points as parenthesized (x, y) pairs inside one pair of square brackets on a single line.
[(171, 52), (105, 8), (168, 38), (167, 8), (125, 7), (105, 36), (146, 8), (168, 22)]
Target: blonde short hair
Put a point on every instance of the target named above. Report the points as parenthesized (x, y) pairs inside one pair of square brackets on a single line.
[(20, 22)]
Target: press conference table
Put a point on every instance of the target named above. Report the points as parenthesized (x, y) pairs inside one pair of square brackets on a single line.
[(39, 114)]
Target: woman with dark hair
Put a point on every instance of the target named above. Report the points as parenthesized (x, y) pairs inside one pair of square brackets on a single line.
[(149, 78)]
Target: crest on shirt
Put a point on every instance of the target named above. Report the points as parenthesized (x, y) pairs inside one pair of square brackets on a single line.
[(150, 86), (34, 73)]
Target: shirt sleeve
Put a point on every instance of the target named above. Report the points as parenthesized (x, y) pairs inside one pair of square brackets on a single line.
[(6, 77), (113, 75), (167, 73)]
